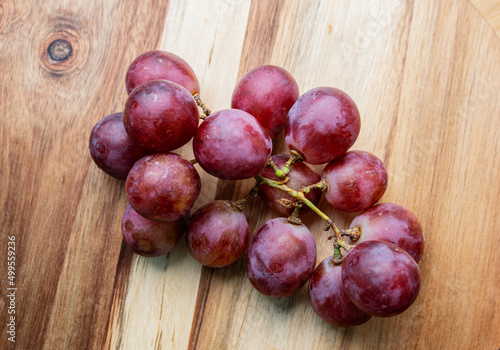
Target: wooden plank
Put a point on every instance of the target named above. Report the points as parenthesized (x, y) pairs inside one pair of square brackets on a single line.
[(62, 210), (426, 78), (163, 290), (388, 66)]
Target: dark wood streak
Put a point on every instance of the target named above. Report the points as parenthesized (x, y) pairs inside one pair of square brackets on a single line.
[(257, 50), (120, 289)]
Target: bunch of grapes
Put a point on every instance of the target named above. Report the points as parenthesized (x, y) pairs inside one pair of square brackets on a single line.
[(373, 269)]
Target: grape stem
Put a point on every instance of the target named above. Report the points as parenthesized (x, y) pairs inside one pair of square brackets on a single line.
[(200, 104), (282, 173), (238, 205), (338, 243)]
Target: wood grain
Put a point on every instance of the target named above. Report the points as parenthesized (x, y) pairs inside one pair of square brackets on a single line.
[(426, 78)]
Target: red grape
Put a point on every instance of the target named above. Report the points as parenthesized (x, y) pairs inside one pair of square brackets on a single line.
[(232, 145), (281, 257), (157, 64), (322, 125), (163, 186), (392, 223), (149, 237), (113, 151), (160, 115), (217, 234), (356, 181), (300, 176), (328, 297), (380, 278), (267, 93)]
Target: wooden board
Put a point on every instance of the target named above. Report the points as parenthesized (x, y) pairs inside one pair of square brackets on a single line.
[(426, 78)]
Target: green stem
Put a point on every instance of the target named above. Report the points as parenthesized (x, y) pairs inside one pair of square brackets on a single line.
[(294, 157), (301, 197), (322, 185), (238, 205), (200, 104)]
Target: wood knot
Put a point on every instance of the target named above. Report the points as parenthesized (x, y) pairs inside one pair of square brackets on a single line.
[(63, 49), (60, 50)]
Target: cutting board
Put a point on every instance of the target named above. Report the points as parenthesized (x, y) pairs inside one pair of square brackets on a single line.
[(426, 78)]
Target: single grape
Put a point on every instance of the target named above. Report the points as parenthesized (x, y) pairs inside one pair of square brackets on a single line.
[(160, 115), (113, 151), (322, 125), (217, 234), (380, 278), (300, 176), (392, 223), (163, 186), (232, 145), (149, 237), (281, 257), (158, 64), (356, 181), (267, 93), (328, 297)]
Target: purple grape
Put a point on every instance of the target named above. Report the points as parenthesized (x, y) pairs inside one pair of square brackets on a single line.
[(281, 257), (149, 237), (300, 176), (232, 145), (356, 181), (112, 150), (160, 115), (217, 234), (322, 125), (380, 278), (155, 64), (163, 186), (328, 297), (267, 93), (392, 223)]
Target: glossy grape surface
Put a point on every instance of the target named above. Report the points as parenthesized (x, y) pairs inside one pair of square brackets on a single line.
[(300, 176), (232, 145), (158, 64), (113, 151), (217, 234), (266, 92), (163, 186), (150, 237), (160, 115), (392, 223), (322, 125), (356, 181), (328, 297), (380, 278), (280, 257)]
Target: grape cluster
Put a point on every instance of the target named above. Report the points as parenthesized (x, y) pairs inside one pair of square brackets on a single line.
[(373, 269)]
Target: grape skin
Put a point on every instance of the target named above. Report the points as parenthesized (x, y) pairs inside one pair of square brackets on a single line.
[(160, 115), (266, 92), (322, 125), (380, 278), (281, 257), (356, 181), (112, 150), (150, 237), (328, 297), (232, 145), (392, 223), (158, 64), (163, 186), (300, 176), (217, 234)]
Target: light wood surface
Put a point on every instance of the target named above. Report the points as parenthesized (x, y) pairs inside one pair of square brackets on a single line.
[(426, 78)]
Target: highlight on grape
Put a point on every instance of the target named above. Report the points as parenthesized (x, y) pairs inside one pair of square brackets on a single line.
[(373, 269)]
